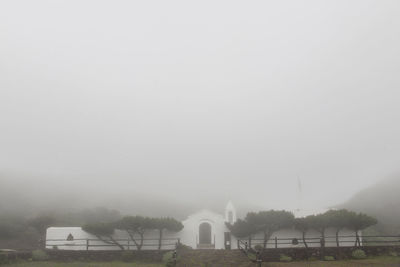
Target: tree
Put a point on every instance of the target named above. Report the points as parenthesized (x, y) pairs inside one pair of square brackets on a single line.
[(162, 224), (318, 222), (135, 226), (338, 219), (358, 222), (104, 232), (303, 225), (242, 229), (269, 222), (40, 224)]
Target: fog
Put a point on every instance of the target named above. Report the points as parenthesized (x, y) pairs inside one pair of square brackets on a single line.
[(178, 104)]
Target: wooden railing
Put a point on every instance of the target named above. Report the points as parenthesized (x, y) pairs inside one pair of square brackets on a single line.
[(128, 244), (348, 240)]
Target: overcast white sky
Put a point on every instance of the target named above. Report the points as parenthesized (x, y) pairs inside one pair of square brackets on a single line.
[(203, 98)]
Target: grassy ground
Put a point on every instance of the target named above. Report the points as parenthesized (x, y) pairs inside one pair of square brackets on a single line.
[(83, 264), (378, 261)]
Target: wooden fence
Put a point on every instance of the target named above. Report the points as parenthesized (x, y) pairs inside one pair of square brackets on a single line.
[(348, 240), (97, 244)]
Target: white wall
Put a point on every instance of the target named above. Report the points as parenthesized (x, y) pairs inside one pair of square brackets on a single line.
[(290, 233), (57, 236)]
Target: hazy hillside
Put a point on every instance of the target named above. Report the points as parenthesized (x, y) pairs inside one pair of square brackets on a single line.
[(29, 196), (381, 200)]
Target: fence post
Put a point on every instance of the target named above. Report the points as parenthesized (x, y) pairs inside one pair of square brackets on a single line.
[(322, 241), (174, 257), (276, 242), (87, 244), (258, 258), (238, 245), (129, 244)]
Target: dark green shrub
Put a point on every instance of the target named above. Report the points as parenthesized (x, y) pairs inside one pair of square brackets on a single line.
[(39, 255), (251, 256), (285, 258), (168, 259), (358, 254), (329, 258)]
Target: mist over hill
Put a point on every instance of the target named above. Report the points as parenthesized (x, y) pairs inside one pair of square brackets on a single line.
[(30, 196), (382, 201)]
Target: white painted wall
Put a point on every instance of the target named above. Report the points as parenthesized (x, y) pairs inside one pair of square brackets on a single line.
[(57, 236), (190, 233), (330, 240)]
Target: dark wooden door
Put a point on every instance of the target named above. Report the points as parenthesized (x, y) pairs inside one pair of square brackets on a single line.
[(205, 233)]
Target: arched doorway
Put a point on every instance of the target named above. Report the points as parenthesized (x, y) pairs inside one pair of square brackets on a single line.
[(205, 234)]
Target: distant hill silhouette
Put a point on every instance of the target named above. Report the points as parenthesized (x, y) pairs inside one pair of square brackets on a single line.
[(382, 201), (29, 196)]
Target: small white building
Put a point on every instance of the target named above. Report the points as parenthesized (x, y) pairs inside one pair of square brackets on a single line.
[(202, 230), (207, 229)]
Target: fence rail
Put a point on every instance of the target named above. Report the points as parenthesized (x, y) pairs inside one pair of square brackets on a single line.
[(127, 244), (372, 240)]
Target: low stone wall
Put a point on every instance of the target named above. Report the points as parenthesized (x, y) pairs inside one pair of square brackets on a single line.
[(93, 255), (318, 253), (270, 254)]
